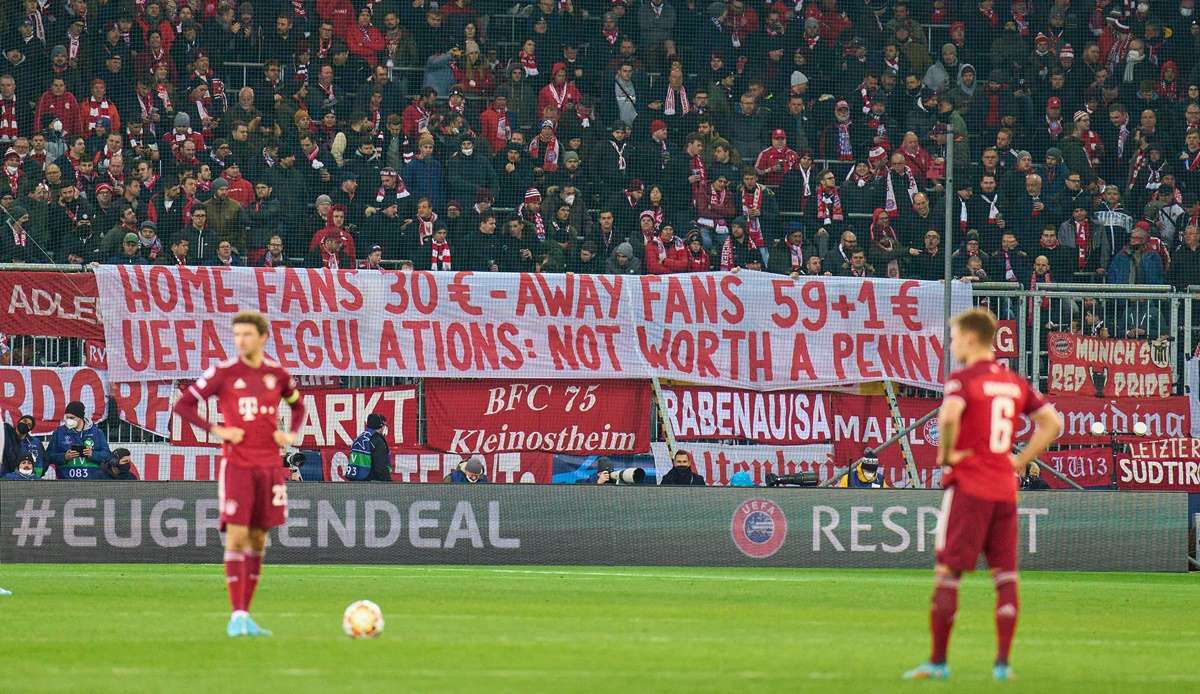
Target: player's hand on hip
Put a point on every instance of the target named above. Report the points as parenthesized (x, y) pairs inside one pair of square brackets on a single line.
[(283, 439), (229, 434), (955, 457)]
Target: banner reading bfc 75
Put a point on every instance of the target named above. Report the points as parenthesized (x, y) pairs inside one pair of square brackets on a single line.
[(750, 329)]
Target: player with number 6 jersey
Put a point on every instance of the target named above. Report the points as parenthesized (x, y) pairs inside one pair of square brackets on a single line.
[(251, 487), (979, 414)]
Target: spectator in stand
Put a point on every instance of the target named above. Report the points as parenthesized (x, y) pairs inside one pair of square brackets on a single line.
[(24, 470), (469, 472), (929, 263), (19, 441), (666, 253), (78, 449), (120, 466), (1010, 263), (1061, 262), (622, 261), (681, 472), (1136, 263), (1185, 261)]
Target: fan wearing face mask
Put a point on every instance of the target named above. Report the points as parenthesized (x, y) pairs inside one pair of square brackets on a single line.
[(865, 474), (24, 470), (78, 449), (20, 442)]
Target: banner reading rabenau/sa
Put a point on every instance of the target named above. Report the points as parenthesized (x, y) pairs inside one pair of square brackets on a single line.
[(754, 330)]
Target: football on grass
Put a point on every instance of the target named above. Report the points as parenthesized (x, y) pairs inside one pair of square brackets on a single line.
[(362, 620)]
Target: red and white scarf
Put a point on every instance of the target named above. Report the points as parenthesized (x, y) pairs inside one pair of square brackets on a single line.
[(549, 152), (754, 224), (889, 202), (503, 130), (660, 248), (14, 180), (620, 148), (1054, 128), (439, 255), (8, 119), (559, 98), (669, 103), (529, 62), (425, 226), (829, 206), (400, 190), (845, 149), (539, 223), (1083, 237)]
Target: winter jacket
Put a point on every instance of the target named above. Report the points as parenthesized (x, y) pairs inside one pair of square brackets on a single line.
[(64, 439)]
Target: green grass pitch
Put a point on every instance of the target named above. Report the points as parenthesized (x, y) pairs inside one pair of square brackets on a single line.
[(160, 628)]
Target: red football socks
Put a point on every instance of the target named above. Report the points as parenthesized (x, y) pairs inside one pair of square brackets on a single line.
[(941, 615), (253, 562), (1007, 607), (235, 579)]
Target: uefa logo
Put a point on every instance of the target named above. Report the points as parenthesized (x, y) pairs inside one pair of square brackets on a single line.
[(758, 528)]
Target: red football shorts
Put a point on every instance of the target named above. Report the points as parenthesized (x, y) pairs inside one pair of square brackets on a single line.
[(252, 496), (970, 525)]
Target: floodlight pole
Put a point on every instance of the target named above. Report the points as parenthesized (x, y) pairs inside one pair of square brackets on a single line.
[(947, 250)]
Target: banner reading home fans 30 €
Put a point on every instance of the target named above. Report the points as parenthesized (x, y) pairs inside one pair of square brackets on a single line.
[(749, 329)]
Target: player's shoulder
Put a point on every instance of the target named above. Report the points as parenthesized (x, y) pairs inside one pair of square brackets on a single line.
[(221, 367)]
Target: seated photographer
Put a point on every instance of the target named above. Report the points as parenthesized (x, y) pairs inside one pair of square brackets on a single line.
[(370, 457), (292, 463), (119, 466), (25, 469), (681, 473), (1032, 479), (865, 474), (78, 448), (469, 472)]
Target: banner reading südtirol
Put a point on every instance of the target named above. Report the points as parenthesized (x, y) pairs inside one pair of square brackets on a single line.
[(178, 522), (749, 329)]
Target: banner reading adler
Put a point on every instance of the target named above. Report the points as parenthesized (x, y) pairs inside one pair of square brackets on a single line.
[(1108, 367), (489, 416)]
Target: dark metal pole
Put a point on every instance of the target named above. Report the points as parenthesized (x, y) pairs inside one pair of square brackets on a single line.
[(947, 250)]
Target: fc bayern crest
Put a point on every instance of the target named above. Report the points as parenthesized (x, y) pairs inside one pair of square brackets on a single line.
[(758, 528), (269, 381), (931, 432)]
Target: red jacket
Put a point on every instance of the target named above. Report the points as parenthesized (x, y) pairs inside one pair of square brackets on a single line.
[(675, 258), (365, 43), (412, 116), (494, 132), (65, 108), (546, 98), (104, 108), (347, 241), (339, 12), (241, 190)]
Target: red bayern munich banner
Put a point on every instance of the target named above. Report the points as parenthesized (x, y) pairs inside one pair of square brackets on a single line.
[(1109, 367), (1162, 465), (755, 329), (44, 393), (469, 417), (49, 303)]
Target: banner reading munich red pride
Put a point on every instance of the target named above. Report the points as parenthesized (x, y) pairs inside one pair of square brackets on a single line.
[(1109, 367), (49, 303), (608, 417), (749, 329)]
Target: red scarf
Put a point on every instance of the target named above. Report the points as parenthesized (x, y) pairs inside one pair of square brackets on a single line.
[(426, 227), (439, 255), (549, 153), (1083, 237), (400, 190), (661, 249), (889, 202), (610, 36), (539, 224), (829, 205), (669, 104), (8, 119), (1054, 128), (754, 224), (528, 62), (845, 149), (14, 180)]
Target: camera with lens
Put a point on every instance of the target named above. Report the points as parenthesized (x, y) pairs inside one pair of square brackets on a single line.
[(800, 479), (293, 462), (629, 475)]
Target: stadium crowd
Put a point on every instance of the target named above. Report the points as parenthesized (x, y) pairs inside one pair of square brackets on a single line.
[(657, 136)]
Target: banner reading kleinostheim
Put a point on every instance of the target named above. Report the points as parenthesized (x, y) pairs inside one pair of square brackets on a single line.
[(749, 329), (468, 417)]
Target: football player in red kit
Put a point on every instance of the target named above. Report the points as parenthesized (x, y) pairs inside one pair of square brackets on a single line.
[(251, 488), (979, 414)]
